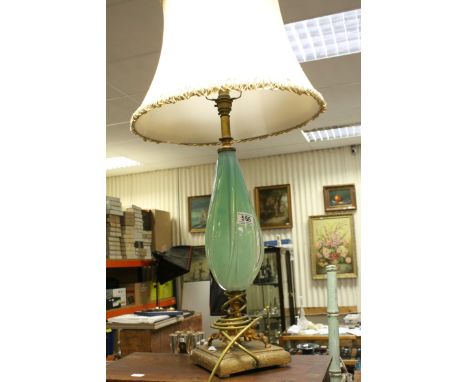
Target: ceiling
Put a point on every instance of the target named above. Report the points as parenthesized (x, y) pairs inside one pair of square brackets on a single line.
[(134, 36)]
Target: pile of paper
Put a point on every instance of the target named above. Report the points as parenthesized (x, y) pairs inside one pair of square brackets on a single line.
[(135, 319), (113, 231)]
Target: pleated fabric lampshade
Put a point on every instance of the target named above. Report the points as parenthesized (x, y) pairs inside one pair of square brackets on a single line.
[(237, 45)]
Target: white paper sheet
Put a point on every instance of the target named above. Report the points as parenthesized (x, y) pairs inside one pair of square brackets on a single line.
[(134, 319)]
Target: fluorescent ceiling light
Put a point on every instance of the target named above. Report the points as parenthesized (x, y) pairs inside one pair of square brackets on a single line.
[(326, 36), (120, 162), (332, 133)]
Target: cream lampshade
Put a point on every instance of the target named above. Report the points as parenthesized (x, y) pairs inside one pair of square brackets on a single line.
[(237, 45)]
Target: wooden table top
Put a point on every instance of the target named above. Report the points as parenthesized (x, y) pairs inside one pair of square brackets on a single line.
[(163, 367)]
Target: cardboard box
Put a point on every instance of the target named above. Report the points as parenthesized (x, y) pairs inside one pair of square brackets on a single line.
[(162, 231), (139, 293), (118, 292)]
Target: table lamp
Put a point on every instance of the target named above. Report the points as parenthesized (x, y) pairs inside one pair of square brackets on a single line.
[(233, 55)]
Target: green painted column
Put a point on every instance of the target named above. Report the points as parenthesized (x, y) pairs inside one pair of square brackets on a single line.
[(333, 329), (233, 238)]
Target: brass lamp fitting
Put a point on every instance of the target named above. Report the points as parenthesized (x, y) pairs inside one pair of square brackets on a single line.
[(224, 105)]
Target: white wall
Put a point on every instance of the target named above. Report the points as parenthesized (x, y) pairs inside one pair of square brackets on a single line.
[(306, 172)]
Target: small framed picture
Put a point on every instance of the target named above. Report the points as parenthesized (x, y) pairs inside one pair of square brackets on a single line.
[(332, 241), (199, 270), (339, 198), (273, 206), (198, 212)]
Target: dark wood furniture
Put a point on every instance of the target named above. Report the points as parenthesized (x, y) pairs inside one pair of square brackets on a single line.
[(153, 337), (178, 368)]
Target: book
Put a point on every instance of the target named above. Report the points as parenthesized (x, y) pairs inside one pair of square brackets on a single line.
[(113, 205), (113, 212)]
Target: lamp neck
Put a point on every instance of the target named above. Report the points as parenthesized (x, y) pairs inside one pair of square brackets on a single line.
[(224, 105), (236, 303)]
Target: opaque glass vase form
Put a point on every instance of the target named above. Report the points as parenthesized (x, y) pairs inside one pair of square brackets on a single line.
[(233, 238)]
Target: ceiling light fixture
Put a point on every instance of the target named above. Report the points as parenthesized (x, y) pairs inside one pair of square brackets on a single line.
[(331, 133), (120, 162), (326, 36)]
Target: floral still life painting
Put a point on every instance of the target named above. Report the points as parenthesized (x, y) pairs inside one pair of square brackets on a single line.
[(333, 242)]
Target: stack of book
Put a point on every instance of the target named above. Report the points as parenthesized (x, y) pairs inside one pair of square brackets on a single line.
[(127, 244), (113, 206), (147, 240), (131, 244), (140, 250), (113, 231)]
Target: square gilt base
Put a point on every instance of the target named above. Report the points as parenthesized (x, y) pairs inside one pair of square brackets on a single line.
[(236, 360)]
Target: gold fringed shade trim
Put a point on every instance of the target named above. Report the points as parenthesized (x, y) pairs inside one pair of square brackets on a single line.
[(243, 87)]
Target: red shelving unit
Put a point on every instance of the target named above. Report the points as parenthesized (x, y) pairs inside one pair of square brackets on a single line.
[(135, 263), (127, 263)]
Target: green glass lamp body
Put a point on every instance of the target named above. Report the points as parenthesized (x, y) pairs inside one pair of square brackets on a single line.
[(233, 238)]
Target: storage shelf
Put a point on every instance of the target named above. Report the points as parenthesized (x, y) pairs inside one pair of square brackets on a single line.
[(130, 263), (133, 308)]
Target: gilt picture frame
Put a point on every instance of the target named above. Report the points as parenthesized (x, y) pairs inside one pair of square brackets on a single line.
[(339, 197), (198, 212), (273, 206), (199, 269), (332, 241)]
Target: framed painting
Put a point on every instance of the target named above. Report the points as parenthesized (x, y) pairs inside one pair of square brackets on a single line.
[(199, 270), (333, 242), (198, 212), (273, 206), (339, 198)]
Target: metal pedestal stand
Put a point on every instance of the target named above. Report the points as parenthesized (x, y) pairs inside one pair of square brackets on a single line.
[(236, 356)]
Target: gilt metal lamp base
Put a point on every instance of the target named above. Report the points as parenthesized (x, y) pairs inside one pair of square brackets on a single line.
[(237, 360), (235, 355)]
